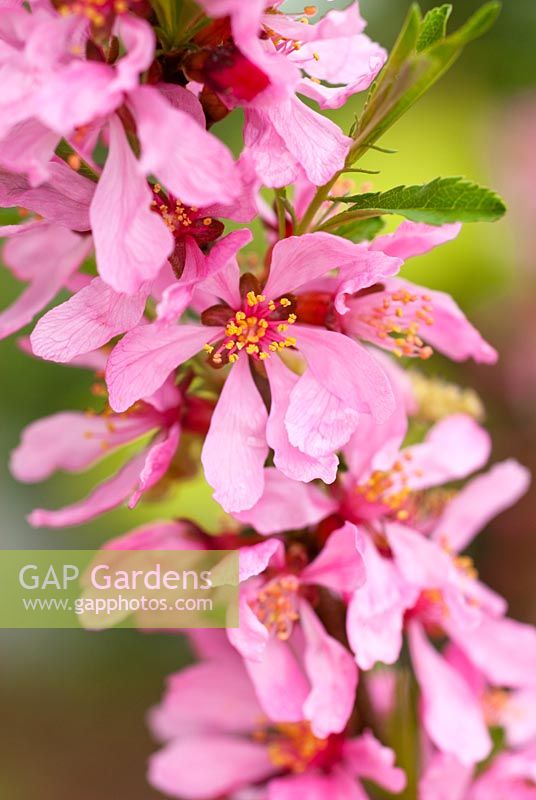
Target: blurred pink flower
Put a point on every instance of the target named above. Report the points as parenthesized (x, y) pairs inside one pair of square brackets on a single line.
[(74, 441), (298, 670), (202, 725)]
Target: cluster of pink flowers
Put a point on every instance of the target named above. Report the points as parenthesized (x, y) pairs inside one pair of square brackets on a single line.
[(368, 650)]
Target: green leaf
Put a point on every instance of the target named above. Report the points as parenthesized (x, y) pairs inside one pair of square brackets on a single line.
[(422, 54), (361, 230), (438, 202), (434, 27), (479, 24)]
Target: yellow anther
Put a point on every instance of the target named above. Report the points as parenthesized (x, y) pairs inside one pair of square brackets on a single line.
[(285, 302), (208, 348), (207, 221), (282, 327), (263, 356), (233, 358), (292, 319), (74, 161)]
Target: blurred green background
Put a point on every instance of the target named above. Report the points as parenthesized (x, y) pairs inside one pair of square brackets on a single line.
[(74, 703)]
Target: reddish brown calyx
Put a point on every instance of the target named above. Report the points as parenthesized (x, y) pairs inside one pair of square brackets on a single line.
[(221, 67)]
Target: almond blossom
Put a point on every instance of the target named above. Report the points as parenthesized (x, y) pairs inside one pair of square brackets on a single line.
[(47, 446), (249, 324), (254, 327), (245, 747)]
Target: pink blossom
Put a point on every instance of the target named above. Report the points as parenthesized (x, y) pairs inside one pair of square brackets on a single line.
[(47, 446), (69, 92), (320, 688), (511, 774), (284, 137), (97, 312), (230, 732), (451, 714), (331, 395), (404, 318), (45, 256)]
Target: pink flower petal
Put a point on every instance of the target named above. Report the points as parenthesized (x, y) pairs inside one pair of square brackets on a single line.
[(369, 759), (255, 559), (164, 535), (452, 715), (223, 285), (336, 52), (251, 637), (279, 682), (181, 769), (421, 561), (333, 675), (445, 778), (298, 260), (480, 501), (346, 370), (106, 496), (183, 100), (131, 241), (504, 650), (157, 462), (194, 702), (310, 141), (375, 445), (291, 461), (235, 448), (144, 358), (318, 423), (339, 566), (199, 172), (368, 269), (376, 611), (452, 449), (139, 40), (414, 239), (273, 162), (286, 505), (78, 94), (92, 317), (64, 198), (46, 255), (27, 149), (72, 442), (337, 785), (451, 332)]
